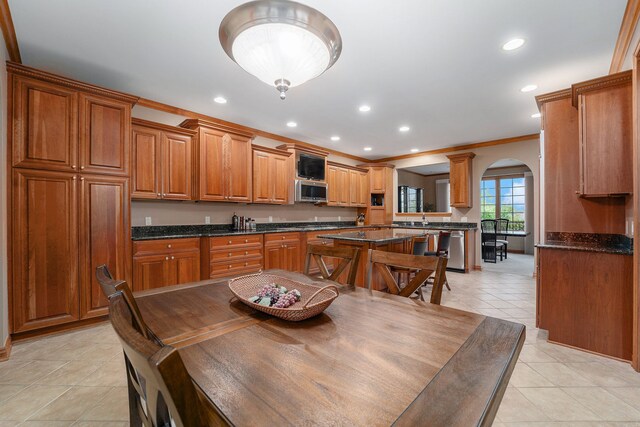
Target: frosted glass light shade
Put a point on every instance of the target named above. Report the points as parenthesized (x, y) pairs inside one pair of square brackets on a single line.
[(282, 43), (279, 51)]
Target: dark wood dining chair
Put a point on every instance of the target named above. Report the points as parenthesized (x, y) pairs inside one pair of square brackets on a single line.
[(502, 226), (442, 250), (349, 257), (110, 287), (424, 267), (161, 391), (417, 246), (490, 245)]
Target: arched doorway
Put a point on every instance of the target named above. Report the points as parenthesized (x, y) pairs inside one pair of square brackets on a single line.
[(507, 194)]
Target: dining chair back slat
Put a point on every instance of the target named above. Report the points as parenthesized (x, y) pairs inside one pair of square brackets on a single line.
[(424, 267), (349, 257)]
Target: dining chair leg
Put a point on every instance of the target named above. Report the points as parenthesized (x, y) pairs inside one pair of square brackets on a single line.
[(446, 282)]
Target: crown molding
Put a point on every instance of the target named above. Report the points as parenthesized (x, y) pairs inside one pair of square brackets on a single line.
[(263, 149), (552, 96), (625, 35), (612, 80), (9, 32), (161, 126), (342, 165), (462, 147), (318, 151), (23, 70), (468, 155), (143, 102), (196, 123)]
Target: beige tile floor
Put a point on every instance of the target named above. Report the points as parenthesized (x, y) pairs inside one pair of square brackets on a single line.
[(78, 379)]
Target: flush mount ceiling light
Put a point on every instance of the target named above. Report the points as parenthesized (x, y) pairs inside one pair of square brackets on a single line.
[(364, 108), (513, 44), (292, 124), (529, 88), (367, 148), (414, 150), (335, 138), (220, 100), (536, 115), (404, 128), (282, 43)]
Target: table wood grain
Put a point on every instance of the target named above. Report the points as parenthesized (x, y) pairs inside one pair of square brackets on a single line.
[(370, 359)]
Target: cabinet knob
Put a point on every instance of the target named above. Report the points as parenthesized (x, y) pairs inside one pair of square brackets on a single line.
[(82, 179), (229, 254), (246, 240), (169, 245), (246, 252), (283, 237), (73, 166), (81, 167), (246, 263), (229, 266), (166, 258), (164, 194), (173, 257), (73, 178), (159, 195), (229, 242), (284, 246)]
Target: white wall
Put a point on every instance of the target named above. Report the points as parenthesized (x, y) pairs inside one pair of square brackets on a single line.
[(527, 152), (4, 303)]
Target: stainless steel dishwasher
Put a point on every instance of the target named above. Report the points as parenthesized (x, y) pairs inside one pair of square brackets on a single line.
[(456, 252)]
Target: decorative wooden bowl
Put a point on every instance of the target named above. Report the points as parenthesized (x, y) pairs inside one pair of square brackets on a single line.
[(313, 300)]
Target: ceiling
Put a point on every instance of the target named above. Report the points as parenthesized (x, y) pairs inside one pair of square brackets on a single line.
[(434, 65), (438, 168)]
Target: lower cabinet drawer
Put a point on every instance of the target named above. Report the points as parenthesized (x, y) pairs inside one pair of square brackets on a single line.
[(160, 246), (235, 268), (281, 237), (235, 255), (216, 243)]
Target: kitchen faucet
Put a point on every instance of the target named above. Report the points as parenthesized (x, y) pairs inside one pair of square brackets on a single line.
[(424, 220)]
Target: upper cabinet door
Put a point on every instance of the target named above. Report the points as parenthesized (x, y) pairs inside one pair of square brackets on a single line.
[(606, 141), (363, 189), (239, 168), (262, 184), (146, 163), (104, 135), (343, 184), (333, 192), (211, 166), (280, 178), (460, 178), (177, 161), (104, 237), (44, 249), (378, 181), (45, 125), (354, 188)]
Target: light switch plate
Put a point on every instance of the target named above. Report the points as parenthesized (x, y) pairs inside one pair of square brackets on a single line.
[(207, 220), (147, 220)]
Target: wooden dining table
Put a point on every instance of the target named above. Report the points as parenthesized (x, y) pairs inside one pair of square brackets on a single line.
[(370, 359)]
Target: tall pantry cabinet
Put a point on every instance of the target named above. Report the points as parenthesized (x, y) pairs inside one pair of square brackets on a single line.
[(69, 196)]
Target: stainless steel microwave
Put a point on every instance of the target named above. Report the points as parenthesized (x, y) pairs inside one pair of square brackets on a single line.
[(311, 191)]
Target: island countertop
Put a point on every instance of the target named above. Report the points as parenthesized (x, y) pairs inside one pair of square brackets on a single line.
[(375, 236)]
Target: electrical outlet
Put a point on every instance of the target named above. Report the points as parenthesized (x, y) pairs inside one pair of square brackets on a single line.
[(270, 218), (147, 220), (316, 219), (339, 218), (207, 220)]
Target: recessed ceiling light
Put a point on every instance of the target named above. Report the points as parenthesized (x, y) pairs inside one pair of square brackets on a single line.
[(335, 138), (404, 128), (292, 124), (367, 148), (364, 108), (536, 115), (414, 150), (220, 100), (513, 44), (529, 88)]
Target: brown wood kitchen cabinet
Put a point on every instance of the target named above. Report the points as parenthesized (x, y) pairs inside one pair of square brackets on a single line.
[(348, 186), (224, 166), (271, 179), (604, 120), (283, 251), (69, 196), (162, 161), (461, 179), (333, 191), (165, 262)]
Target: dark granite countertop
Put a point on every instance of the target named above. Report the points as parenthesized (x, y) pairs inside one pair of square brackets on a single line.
[(588, 242), (213, 230), (373, 236), (458, 226)]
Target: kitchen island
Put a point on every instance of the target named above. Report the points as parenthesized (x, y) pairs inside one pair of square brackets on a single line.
[(390, 240)]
